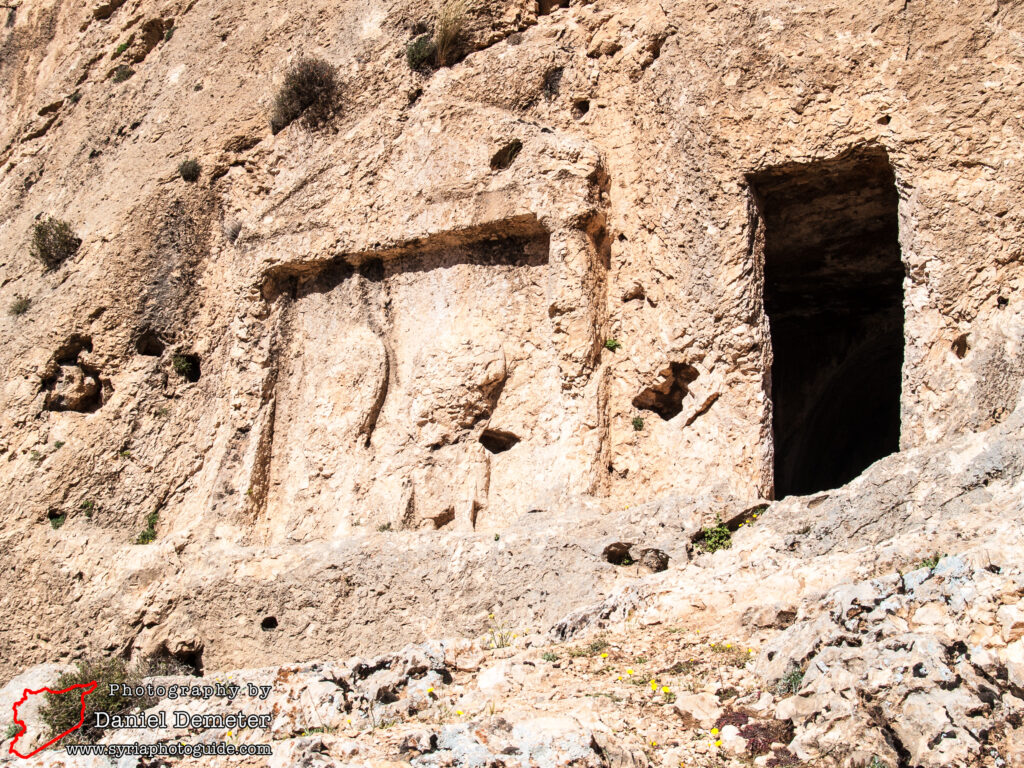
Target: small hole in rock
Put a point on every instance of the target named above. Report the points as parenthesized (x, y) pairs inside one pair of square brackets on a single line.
[(497, 441), (545, 7), (503, 157), (580, 108), (1002, 301), (618, 553), (443, 519), (149, 343), (372, 270), (884, 120), (960, 346), (268, 623), (665, 396)]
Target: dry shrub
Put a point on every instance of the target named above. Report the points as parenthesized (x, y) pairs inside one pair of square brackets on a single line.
[(53, 242), (310, 91), (60, 713)]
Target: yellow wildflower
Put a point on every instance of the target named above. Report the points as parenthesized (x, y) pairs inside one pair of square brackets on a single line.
[(604, 655), (458, 711), (714, 731), (718, 743), (629, 671), (665, 689)]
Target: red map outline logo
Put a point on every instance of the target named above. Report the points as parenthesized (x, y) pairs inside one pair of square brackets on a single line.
[(87, 688)]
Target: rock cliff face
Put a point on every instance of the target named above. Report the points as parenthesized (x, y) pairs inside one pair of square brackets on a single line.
[(621, 268)]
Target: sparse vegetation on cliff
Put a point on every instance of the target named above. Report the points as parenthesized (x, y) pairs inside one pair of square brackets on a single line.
[(19, 306), (790, 682), (448, 24), (53, 242), (714, 538), (441, 49), (185, 366), (189, 170), (59, 713), (930, 562), (310, 91), (148, 534), (122, 73), (420, 52)]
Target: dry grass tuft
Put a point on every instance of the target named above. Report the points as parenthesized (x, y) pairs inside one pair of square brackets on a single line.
[(449, 21)]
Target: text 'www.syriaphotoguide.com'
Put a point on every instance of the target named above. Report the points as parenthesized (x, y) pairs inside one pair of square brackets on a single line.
[(170, 750)]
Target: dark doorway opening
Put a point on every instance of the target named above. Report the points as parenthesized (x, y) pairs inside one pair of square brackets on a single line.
[(833, 292)]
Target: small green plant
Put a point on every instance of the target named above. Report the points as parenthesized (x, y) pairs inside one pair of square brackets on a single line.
[(638, 424), (61, 713), (497, 537), (58, 444), (310, 90), (121, 49), (730, 656), (594, 647), (384, 527), (641, 659), (930, 562), (715, 537), (122, 73), (35, 456), (19, 306), (499, 635), (149, 532), (162, 412), (612, 344), (448, 23), (88, 507), (189, 170), (53, 242), (125, 453), (75, 97), (876, 762), (169, 34), (790, 682), (182, 365), (12, 731), (549, 656), (57, 519), (420, 52)]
